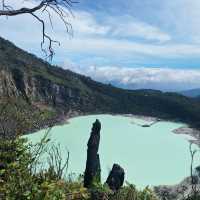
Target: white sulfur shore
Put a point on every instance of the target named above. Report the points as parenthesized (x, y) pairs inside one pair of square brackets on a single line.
[(193, 133), (145, 118)]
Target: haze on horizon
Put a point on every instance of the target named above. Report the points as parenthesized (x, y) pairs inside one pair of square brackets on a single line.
[(132, 44)]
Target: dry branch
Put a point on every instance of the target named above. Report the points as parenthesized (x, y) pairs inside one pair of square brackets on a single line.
[(62, 8)]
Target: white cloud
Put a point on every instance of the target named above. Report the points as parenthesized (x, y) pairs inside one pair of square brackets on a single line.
[(128, 26), (100, 39), (181, 18), (85, 23), (126, 48), (117, 38), (135, 78), (107, 39), (117, 27)]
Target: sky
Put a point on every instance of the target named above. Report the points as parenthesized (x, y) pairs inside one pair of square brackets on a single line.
[(131, 44)]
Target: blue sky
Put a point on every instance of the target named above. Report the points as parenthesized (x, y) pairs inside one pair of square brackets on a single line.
[(135, 41)]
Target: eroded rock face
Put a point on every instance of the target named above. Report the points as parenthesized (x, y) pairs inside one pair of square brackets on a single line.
[(37, 89), (7, 84), (93, 169), (115, 179)]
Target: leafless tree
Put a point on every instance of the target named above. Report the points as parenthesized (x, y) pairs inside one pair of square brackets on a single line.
[(62, 8), (194, 182), (56, 162)]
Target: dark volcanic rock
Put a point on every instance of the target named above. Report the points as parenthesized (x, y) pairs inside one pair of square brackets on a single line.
[(116, 177), (93, 169)]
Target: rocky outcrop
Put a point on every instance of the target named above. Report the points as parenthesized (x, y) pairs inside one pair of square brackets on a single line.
[(7, 84), (37, 89), (177, 192), (115, 179), (39, 100), (93, 169)]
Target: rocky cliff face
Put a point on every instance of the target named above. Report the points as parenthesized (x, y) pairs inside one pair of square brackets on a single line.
[(36, 89), (7, 84), (41, 101)]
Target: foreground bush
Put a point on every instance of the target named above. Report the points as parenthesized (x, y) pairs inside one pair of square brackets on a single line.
[(19, 179), (129, 192)]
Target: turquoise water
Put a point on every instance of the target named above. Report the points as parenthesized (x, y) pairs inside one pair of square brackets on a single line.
[(150, 156)]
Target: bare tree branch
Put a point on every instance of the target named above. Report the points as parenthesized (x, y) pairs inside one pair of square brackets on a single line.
[(56, 161), (62, 8), (193, 180)]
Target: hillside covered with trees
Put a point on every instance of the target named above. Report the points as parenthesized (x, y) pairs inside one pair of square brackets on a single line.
[(52, 93)]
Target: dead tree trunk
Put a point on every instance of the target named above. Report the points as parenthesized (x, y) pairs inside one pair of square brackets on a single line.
[(115, 179), (93, 169)]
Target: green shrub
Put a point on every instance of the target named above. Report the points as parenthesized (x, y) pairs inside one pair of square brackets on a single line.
[(129, 192), (19, 181)]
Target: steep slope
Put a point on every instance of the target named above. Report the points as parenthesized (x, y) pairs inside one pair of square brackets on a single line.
[(61, 92)]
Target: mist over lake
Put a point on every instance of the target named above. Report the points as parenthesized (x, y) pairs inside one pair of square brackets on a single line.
[(150, 155)]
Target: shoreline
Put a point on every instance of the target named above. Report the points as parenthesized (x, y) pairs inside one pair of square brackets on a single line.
[(192, 132), (64, 119)]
